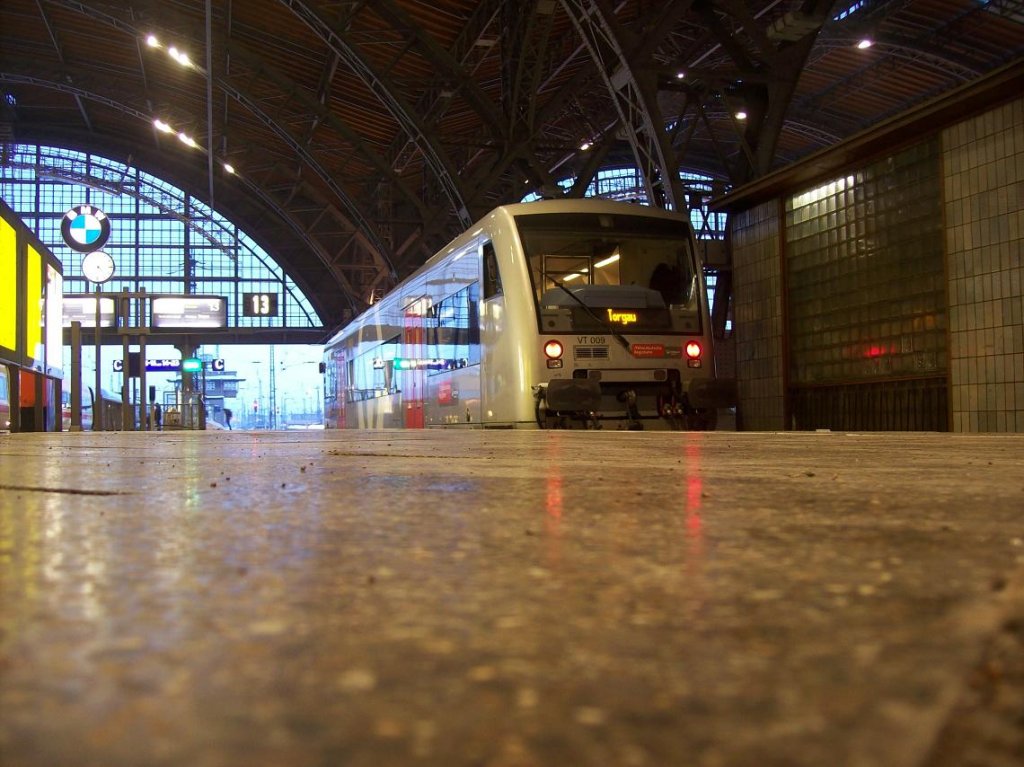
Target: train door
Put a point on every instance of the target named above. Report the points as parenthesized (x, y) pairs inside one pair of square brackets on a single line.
[(335, 385), (413, 376), (497, 382)]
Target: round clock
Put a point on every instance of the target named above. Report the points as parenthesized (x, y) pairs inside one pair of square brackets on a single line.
[(98, 266)]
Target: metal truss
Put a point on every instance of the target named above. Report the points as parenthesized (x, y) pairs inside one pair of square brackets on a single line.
[(635, 101), (426, 143)]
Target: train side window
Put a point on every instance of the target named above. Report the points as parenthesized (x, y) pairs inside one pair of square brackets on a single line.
[(492, 277)]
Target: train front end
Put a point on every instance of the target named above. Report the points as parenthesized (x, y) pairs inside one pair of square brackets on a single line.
[(623, 332)]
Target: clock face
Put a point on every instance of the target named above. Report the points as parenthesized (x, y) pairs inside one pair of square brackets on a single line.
[(98, 266)]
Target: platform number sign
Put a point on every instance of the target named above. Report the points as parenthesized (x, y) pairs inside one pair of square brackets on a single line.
[(259, 304)]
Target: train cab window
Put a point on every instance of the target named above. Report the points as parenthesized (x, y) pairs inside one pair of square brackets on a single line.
[(492, 277), (586, 268)]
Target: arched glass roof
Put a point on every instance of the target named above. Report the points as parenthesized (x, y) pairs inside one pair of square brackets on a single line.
[(162, 239), (627, 184)]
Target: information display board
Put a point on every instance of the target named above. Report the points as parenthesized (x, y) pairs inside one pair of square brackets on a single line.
[(186, 312), (82, 309)]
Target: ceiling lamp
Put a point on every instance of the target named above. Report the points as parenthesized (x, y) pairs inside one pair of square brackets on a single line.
[(865, 44), (180, 56)]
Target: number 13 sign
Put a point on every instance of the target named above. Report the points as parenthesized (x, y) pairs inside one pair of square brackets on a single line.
[(259, 304)]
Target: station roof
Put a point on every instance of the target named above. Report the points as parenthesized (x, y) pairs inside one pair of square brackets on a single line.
[(364, 135)]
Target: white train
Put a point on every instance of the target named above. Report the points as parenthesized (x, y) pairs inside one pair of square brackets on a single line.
[(553, 314)]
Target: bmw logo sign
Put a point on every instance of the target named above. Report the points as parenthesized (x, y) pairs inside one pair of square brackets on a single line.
[(85, 228)]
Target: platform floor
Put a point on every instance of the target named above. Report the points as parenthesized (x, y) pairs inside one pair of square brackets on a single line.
[(510, 599)]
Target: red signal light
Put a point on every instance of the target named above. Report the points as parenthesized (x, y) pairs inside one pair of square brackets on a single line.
[(693, 350), (553, 350)]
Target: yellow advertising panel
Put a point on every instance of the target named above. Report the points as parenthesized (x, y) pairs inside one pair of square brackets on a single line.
[(8, 285), (54, 319), (34, 306)]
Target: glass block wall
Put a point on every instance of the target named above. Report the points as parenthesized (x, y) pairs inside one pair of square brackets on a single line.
[(983, 166), (904, 290), (865, 274), (757, 318)]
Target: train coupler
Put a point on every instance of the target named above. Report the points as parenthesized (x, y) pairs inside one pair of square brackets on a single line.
[(628, 397)]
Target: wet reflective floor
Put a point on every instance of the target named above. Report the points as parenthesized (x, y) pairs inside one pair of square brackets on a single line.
[(500, 599)]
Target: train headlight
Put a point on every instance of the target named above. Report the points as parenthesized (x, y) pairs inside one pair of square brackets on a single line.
[(553, 350), (693, 352)]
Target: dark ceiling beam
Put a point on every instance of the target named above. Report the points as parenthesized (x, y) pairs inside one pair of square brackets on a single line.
[(321, 113), (323, 90), (60, 57), (471, 47), (449, 68), (469, 50), (55, 80), (595, 158), (527, 31), (145, 80), (860, 79), (634, 94), (713, 15), (766, 64), (358, 218), (426, 140), (771, 103), (956, 59)]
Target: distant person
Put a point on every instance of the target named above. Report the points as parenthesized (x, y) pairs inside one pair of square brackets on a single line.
[(158, 416), (227, 418)]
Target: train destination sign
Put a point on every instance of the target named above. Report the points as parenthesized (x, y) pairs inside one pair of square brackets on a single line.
[(622, 316), (83, 309), (186, 312)]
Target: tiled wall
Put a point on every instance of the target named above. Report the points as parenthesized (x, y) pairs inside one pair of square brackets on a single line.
[(983, 168), (864, 273), (757, 318)]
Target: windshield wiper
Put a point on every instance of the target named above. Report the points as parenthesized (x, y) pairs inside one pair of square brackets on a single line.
[(618, 336)]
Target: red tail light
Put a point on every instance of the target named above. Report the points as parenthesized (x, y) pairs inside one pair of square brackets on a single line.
[(553, 350), (693, 350)]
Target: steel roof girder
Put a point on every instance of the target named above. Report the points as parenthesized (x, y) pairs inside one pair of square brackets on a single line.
[(381, 87), (438, 56), (635, 104), (359, 218), (320, 112)]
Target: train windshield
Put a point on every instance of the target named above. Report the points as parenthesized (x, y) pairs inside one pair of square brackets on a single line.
[(596, 271)]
